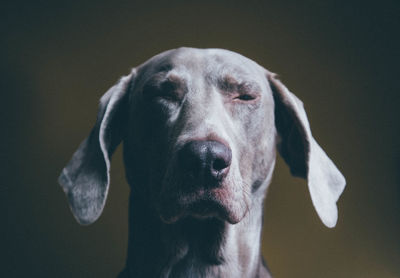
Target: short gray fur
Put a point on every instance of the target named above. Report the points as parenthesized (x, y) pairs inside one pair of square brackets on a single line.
[(165, 239)]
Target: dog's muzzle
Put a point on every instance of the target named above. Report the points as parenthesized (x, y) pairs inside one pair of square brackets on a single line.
[(198, 188), (204, 163)]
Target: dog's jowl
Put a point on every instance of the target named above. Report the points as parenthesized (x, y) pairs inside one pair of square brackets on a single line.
[(200, 129)]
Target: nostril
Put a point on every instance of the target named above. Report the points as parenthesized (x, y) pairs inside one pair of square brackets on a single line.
[(191, 157), (220, 164), (222, 156), (206, 161)]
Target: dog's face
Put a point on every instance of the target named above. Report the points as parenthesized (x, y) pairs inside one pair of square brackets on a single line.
[(208, 134), (200, 128)]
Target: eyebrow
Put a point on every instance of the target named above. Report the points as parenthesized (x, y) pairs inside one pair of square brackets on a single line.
[(166, 84), (165, 67), (161, 78), (175, 79), (231, 84)]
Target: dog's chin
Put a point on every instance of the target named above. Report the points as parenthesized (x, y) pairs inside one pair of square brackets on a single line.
[(203, 208)]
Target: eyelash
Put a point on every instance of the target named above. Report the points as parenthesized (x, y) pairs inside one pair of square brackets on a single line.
[(245, 97), (154, 92)]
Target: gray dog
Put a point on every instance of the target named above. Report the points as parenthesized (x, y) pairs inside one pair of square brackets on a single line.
[(200, 129)]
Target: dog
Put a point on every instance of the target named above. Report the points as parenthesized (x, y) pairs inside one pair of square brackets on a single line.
[(200, 129)]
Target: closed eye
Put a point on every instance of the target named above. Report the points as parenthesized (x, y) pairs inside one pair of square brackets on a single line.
[(245, 97), (166, 90)]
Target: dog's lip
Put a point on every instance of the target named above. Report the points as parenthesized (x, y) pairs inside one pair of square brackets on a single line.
[(198, 209), (200, 204)]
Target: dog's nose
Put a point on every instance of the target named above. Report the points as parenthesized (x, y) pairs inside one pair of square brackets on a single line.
[(208, 160)]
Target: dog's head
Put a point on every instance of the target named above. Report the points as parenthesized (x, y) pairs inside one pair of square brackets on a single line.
[(200, 127)]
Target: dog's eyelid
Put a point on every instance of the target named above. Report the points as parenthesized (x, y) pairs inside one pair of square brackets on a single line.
[(244, 91), (231, 84), (246, 97), (167, 89), (172, 90), (165, 68)]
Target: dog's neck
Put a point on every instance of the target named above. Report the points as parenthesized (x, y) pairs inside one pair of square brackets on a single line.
[(193, 247)]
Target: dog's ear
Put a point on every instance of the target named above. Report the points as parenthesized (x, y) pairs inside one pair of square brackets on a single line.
[(302, 153), (86, 177)]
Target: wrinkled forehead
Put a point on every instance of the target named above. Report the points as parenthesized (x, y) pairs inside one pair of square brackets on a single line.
[(209, 64)]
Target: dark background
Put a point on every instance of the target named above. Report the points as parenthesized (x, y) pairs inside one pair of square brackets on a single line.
[(340, 57)]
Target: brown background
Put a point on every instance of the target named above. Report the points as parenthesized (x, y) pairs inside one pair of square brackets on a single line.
[(341, 59)]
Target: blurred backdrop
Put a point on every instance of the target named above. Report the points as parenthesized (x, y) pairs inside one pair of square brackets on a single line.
[(340, 57)]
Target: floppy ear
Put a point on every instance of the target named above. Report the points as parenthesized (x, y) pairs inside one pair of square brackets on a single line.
[(86, 177), (304, 156)]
